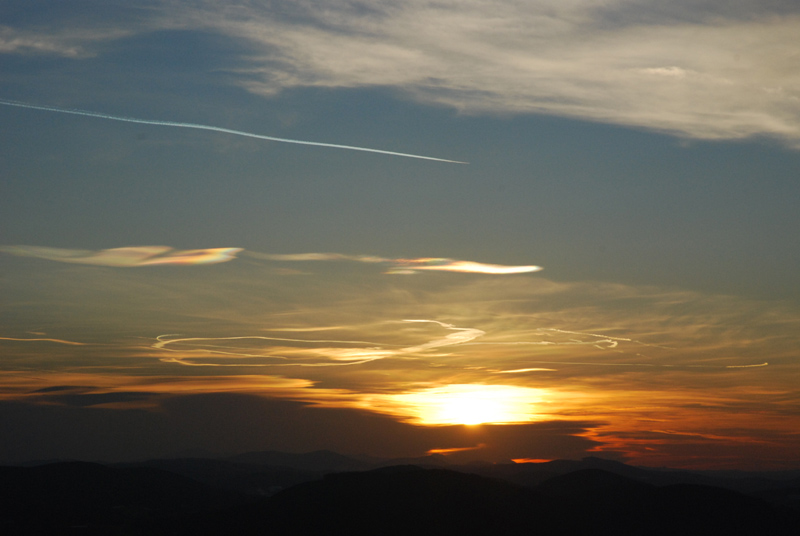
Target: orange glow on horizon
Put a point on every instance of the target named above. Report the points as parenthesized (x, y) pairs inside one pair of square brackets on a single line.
[(445, 452)]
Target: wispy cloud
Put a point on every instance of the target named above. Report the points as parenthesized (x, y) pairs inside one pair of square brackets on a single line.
[(700, 70), (276, 351), (26, 386), (404, 266), (631, 63), (637, 361), (454, 450), (159, 255), (127, 256), (42, 339), (71, 42)]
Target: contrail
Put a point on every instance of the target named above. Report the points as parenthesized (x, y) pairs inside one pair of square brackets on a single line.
[(215, 129)]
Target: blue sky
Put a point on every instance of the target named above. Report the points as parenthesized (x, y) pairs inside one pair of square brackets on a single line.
[(645, 156)]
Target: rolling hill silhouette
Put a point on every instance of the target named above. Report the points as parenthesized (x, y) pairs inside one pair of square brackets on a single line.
[(92, 498), (411, 500), (227, 496)]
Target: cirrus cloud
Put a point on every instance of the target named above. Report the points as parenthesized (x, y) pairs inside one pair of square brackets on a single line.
[(709, 73), (696, 69)]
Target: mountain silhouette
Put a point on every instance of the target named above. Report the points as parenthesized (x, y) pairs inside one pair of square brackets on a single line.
[(412, 500), (613, 504), (53, 498), (222, 497), (320, 460), (393, 501), (594, 484)]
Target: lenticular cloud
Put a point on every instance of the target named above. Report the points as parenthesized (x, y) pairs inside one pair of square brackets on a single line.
[(404, 266), (128, 256), (161, 255)]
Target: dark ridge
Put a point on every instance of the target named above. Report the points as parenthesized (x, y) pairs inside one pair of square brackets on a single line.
[(764, 484), (321, 460), (391, 501), (785, 497), (613, 504), (49, 499), (596, 484), (152, 498), (412, 500), (247, 478), (430, 461)]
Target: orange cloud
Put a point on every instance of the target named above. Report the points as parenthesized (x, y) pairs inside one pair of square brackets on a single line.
[(59, 341)]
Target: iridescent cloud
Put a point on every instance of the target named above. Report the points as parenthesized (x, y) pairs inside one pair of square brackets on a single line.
[(127, 256), (155, 255), (405, 266), (450, 265)]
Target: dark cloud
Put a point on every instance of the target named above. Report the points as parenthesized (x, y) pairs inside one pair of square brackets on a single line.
[(237, 423), (95, 399), (57, 388), (234, 423), (38, 432)]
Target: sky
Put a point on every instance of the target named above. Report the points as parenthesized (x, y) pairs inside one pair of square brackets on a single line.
[(496, 230)]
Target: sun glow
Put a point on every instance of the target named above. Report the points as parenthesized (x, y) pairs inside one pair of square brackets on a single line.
[(471, 404)]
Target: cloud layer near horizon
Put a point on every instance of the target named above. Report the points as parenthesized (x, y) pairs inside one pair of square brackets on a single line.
[(656, 371), (698, 69)]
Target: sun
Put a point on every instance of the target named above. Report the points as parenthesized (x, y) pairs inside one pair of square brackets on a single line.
[(470, 404), (474, 408)]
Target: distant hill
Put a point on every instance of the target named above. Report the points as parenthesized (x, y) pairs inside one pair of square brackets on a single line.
[(320, 460), (613, 504), (53, 498), (247, 478), (280, 493), (404, 500), (411, 500), (261, 473), (532, 474)]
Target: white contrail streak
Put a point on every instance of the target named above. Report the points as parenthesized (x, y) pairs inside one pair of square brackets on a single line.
[(215, 129)]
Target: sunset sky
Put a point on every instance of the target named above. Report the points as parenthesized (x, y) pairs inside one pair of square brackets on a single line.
[(598, 254)]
